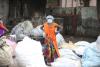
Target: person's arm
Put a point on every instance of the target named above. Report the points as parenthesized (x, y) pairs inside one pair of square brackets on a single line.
[(59, 27)]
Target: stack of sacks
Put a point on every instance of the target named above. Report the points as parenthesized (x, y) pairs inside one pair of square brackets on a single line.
[(22, 29), (81, 46), (78, 47), (29, 53), (91, 56), (67, 59), (5, 54)]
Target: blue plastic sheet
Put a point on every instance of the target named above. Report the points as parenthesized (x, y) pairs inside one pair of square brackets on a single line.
[(91, 56)]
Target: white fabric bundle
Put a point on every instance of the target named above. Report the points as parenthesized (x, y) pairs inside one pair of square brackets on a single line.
[(5, 54), (81, 46), (67, 59), (64, 62), (64, 52), (29, 53), (22, 29), (91, 56)]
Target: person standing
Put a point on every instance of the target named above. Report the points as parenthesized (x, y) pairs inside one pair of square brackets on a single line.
[(50, 30)]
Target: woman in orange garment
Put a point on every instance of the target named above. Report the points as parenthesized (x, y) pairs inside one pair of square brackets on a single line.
[(50, 30), (2, 28)]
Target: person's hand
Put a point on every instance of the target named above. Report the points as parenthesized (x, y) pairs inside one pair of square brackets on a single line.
[(44, 35)]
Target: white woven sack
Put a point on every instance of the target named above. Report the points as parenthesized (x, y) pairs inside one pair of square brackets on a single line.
[(29, 53), (67, 59), (81, 45), (22, 29), (60, 39), (91, 56), (6, 56)]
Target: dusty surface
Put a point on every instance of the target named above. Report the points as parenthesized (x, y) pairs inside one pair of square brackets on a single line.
[(78, 38)]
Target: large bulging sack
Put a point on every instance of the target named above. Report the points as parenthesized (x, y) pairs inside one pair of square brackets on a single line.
[(65, 62), (60, 40), (67, 59), (22, 29), (81, 46), (91, 56), (5, 54), (29, 53)]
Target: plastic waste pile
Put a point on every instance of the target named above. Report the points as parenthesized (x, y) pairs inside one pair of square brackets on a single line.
[(70, 54), (67, 59), (5, 54), (78, 47), (81, 46), (29, 53), (91, 56), (22, 29)]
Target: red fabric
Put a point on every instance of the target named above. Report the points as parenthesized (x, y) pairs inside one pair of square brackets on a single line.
[(2, 26)]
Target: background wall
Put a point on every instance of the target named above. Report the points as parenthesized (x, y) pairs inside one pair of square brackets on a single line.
[(4, 8)]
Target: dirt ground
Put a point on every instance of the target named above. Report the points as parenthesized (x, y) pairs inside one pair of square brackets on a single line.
[(78, 38)]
